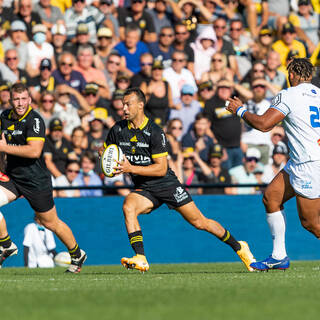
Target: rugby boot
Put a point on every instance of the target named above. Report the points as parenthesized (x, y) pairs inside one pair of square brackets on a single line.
[(76, 263), (138, 262), (245, 255), (7, 252), (271, 263)]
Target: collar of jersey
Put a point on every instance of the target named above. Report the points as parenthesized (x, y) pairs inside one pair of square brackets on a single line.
[(143, 124), (28, 111)]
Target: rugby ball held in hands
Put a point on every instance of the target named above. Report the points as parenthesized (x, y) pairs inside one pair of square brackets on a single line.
[(109, 157)]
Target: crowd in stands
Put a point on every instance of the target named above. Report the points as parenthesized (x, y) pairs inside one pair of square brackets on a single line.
[(78, 56)]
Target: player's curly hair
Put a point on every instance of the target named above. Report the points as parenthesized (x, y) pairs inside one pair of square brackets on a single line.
[(302, 67)]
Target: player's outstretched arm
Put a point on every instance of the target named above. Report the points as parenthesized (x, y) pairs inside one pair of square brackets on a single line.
[(263, 122)]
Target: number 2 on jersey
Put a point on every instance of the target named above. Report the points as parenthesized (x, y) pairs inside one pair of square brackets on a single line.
[(314, 116)]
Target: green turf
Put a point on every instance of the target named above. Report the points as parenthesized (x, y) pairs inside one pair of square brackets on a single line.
[(183, 291)]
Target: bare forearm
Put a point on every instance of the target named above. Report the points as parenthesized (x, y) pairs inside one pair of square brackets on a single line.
[(25, 151), (257, 122)]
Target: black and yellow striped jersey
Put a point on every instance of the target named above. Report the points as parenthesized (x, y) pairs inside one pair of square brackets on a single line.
[(31, 173), (141, 146)]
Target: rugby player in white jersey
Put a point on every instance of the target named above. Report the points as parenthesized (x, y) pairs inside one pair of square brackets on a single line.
[(298, 108)]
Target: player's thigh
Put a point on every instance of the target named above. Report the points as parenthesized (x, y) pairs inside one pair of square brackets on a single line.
[(48, 218), (278, 191), (309, 210), (137, 203)]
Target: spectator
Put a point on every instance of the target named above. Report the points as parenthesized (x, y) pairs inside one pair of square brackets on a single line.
[(206, 91), (118, 181), (136, 14), (49, 14), (43, 82), (257, 105), (104, 44), (213, 173), (181, 43), (163, 49), (177, 75), (277, 137), (187, 107), (117, 105), (15, 40), (57, 149), (80, 12), (244, 173), (204, 48), (65, 73), (279, 160), (123, 81), (4, 96), (107, 7), (87, 176), (144, 75), (225, 127), (258, 71), (79, 141), (288, 43), (6, 74), (38, 246), (28, 16), (112, 69), (278, 12), (164, 14), (59, 37), (46, 107), (158, 94), (262, 45), (200, 137), (131, 49), (7, 15), (68, 180)]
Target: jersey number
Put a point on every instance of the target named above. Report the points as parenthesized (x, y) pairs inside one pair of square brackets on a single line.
[(314, 116)]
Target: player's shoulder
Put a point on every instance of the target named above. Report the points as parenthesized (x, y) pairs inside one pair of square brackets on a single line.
[(153, 128)]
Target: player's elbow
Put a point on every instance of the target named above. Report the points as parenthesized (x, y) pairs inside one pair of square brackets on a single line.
[(35, 154)]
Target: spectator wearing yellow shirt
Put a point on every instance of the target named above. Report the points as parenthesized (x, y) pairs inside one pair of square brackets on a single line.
[(63, 5), (288, 43)]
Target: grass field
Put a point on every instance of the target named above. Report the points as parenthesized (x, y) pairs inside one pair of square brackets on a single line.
[(182, 291)]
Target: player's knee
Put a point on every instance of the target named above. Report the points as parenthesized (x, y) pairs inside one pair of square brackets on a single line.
[(129, 210), (200, 223), (312, 227)]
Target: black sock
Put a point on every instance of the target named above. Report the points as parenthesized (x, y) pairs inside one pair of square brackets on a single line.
[(136, 241), (231, 241), (75, 252), (5, 242)]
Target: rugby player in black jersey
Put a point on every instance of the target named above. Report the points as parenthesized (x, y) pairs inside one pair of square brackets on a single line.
[(22, 139), (145, 147)]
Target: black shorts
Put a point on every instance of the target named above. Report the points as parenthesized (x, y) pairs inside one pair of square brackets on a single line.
[(40, 201), (174, 196)]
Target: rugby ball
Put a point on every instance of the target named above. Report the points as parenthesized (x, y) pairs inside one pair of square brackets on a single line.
[(108, 160), (62, 259)]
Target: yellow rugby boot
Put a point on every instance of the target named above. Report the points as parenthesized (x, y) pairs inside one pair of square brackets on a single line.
[(138, 262), (245, 255)]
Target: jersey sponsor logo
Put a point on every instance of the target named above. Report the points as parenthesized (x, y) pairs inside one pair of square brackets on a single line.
[(163, 139), (127, 144), (142, 145), (139, 159), (36, 126), (276, 100), (147, 133), (16, 132), (180, 194)]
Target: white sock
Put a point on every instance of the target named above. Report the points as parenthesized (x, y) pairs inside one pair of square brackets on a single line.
[(277, 225)]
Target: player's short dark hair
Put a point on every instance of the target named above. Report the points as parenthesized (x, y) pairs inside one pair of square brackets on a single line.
[(302, 67), (138, 93), (19, 88)]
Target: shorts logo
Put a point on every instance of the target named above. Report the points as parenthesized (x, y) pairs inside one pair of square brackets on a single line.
[(306, 185), (180, 194), (36, 126)]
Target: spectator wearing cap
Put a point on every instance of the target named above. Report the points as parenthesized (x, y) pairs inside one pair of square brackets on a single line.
[(278, 136), (57, 149), (43, 82), (187, 107), (144, 75), (11, 59), (38, 49), (244, 173), (137, 15), (178, 75), (48, 13), (131, 49), (85, 57), (158, 94), (206, 91), (104, 45), (200, 137), (213, 173), (66, 110), (117, 105), (262, 44), (112, 69), (15, 40), (288, 43), (108, 8), (80, 12), (279, 160), (123, 80), (59, 37), (163, 49)]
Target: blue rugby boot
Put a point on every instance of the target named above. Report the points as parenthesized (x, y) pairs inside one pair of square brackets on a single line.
[(271, 264)]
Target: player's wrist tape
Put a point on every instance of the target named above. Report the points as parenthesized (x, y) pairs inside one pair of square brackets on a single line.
[(241, 111)]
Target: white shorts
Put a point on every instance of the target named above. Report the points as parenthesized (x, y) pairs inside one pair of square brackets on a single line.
[(305, 178)]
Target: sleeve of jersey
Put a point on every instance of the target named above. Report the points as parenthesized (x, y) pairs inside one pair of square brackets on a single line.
[(159, 144), (280, 102), (36, 130), (111, 138)]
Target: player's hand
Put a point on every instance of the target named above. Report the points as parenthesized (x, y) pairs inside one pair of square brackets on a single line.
[(234, 104), (3, 143), (123, 166)]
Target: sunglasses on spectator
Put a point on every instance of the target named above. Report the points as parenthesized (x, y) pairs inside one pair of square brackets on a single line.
[(11, 58), (219, 27), (216, 60), (90, 94), (45, 68), (266, 35), (176, 128), (66, 64), (187, 94), (278, 134), (177, 60), (259, 86), (144, 64), (137, 1), (100, 38), (73, 171), (258, 70), (183, 33), (106, 3), (224, 87), (75, 1), (169, 35), (249, 159), (47, 101), (207, 89), (114, 62), (235, 29)]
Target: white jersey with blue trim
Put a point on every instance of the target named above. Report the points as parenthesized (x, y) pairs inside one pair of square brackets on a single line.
[(301, 107)]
